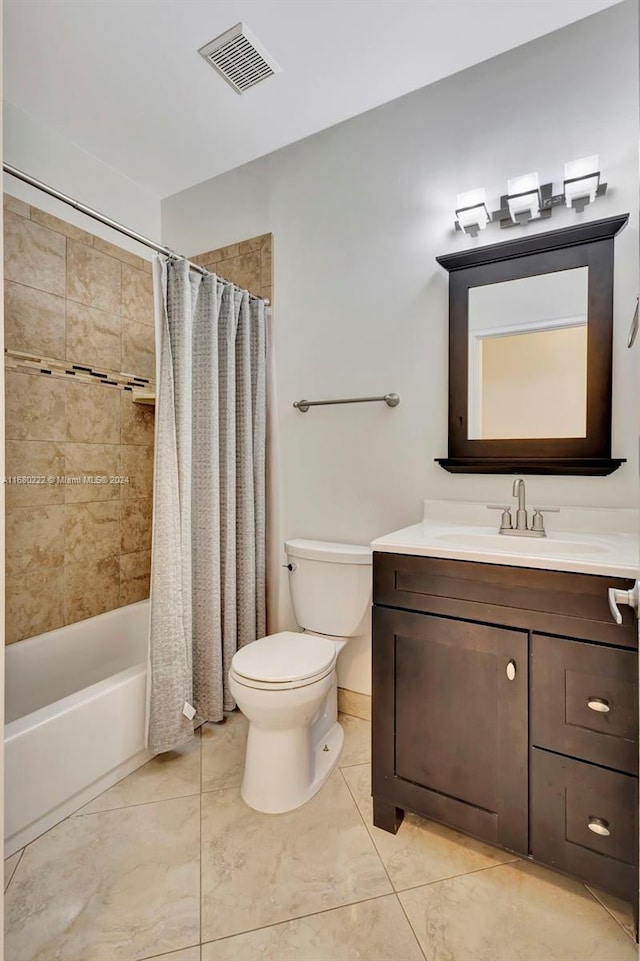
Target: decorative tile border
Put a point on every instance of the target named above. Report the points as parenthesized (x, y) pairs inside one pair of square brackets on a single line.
[(24, 363)]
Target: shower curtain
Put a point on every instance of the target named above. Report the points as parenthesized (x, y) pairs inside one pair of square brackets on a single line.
[(208, 555)]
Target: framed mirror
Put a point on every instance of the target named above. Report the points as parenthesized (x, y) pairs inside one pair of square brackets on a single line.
[(530, 353)]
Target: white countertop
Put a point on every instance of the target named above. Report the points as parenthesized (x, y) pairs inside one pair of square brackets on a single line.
[(591, 541)]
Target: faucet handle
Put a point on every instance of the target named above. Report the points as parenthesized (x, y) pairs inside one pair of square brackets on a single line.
[(505, 521), (538, 520)]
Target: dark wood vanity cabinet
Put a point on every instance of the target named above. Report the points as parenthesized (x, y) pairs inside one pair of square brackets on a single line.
[(505, 705)]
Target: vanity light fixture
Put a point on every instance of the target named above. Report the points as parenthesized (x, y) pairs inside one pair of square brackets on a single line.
[(528, 200), (471, 211), (582, 182), (523, 197)]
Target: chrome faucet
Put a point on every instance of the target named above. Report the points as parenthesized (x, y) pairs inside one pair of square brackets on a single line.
[(522, 528), (522, 521)]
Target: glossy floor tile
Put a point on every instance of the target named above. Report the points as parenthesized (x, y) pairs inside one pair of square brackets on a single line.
[(357, 741), (114, 886), (375, 930), (421, 851), (171, 775), (171, 856), (10, 866), (223, 747), (620, 910), (189, 954), (259, 869), (513, 911)]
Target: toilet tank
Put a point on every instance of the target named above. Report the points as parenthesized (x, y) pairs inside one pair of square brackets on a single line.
[(330, 586)]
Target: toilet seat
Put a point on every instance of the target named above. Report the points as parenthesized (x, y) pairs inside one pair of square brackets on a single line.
[(283, 661)]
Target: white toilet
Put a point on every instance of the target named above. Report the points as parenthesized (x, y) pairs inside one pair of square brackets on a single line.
[(286, 683)]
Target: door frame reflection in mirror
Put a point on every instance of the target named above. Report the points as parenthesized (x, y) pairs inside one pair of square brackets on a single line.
[(476, 339), (586, 245)]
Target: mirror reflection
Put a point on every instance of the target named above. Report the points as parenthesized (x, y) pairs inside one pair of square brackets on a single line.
[(528, 357)]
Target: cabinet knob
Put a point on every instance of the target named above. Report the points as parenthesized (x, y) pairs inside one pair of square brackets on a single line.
[(599, 826), (598, 704), (511, 670)]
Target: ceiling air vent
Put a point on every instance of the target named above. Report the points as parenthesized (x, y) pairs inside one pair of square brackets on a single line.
[(239, 58)]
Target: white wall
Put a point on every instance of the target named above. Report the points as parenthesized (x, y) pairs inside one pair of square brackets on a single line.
[(359, 213), (43, 153)]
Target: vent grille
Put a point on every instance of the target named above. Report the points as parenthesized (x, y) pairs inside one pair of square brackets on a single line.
[(240, 58)]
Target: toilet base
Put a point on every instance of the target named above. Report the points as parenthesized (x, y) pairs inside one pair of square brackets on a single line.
[(325, 755)]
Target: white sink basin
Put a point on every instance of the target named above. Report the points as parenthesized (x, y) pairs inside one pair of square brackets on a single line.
[(511, 544)]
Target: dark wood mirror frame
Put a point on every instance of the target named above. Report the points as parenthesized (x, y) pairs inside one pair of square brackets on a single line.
[(587, 245)]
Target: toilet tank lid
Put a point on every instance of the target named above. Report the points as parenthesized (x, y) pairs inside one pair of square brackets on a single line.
[(328, 551)]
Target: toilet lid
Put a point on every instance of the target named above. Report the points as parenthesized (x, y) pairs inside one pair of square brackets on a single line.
[(284, 657)]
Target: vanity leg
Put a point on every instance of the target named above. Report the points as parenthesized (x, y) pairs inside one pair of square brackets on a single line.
[(387, 816)]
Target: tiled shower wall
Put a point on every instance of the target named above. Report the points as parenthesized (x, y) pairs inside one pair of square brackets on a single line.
[(249, 264), (82, 309)]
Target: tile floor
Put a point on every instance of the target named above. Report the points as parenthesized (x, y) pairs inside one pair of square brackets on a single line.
[(171, 864)]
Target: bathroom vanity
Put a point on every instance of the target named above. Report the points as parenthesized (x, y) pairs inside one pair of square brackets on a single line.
[(505, 694)]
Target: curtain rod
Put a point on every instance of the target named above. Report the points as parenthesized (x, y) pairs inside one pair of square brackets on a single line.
[(107, 221)]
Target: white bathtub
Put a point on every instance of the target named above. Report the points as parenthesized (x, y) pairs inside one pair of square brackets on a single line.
[(75, 717)]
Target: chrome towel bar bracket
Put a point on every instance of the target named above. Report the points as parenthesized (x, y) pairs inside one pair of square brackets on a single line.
[(391, 400)]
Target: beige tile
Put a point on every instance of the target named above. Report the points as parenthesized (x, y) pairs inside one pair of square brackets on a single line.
[(137, 465), (243, 270), (61, 226), (35, 459), (34, 538), (91, 531), (135, 577), (86, 462), (34, 603), (374, 930), (267, 294), (90, 588), (213, 256), (189, 954), (93, 337), (10, 866), (223, 749), (513, 911), (116, 886), (113, 250), (317, 857), (17, 206), (136, 524), (354, 704), (137, 421), (357, 741), (254, 243), (35, 407), (33, 255), (138, 353), (422, 851), (622, 911), (265, 266), (170, 775), (137, 295), (34, 321), (93, 278), (93, 413)]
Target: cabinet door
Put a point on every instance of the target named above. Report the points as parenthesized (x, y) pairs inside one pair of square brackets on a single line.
[(450, 722)]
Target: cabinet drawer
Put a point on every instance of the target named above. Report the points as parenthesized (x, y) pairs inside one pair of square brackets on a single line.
[(552, 602), (567, 677), (566, 797)]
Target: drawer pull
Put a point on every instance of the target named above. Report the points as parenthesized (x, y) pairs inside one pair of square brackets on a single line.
[(599, 826), (511, 670), (598, 704)]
